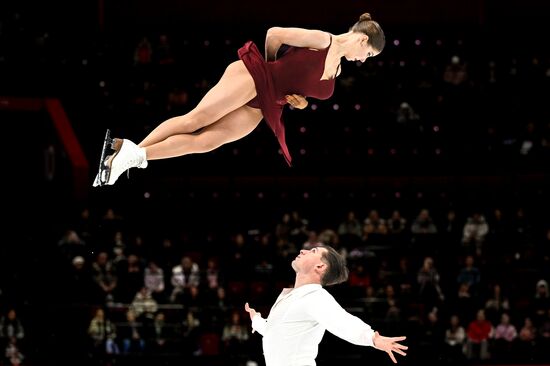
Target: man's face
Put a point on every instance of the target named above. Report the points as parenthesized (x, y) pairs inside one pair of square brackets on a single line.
[(307, 260)]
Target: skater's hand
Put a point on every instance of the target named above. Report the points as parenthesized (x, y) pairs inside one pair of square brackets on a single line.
[(250, 311), (389, 345), (296, 100)]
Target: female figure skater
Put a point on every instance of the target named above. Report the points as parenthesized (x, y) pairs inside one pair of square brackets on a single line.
[(251, 89)]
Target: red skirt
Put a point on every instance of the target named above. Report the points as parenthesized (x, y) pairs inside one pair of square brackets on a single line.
[(266, 99)]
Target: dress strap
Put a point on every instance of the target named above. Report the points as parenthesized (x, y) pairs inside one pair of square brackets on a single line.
[(338, 67)]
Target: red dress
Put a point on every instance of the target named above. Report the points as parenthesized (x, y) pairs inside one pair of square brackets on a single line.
[(298, 71)]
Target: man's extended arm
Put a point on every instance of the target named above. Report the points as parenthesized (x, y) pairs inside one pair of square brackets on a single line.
[(258, 323), (325, 310)]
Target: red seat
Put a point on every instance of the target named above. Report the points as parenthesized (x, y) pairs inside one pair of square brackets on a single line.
[(236, 288)]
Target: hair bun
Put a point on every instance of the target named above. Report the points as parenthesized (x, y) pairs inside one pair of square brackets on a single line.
[(365, 16)]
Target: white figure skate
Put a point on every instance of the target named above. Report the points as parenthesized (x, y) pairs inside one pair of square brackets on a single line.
[(125, 155)]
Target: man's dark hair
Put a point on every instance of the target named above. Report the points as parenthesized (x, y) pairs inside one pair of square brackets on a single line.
[(337, 271)]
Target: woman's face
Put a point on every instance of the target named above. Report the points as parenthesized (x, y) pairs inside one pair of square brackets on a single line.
[(361, 49)]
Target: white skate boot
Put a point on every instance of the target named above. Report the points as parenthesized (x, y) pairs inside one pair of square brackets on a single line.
[(127, 155)]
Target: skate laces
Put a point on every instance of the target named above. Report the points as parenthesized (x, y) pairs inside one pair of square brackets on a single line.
[(128, 157)]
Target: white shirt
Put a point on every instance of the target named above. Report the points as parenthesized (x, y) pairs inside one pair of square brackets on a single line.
[(297, 322)]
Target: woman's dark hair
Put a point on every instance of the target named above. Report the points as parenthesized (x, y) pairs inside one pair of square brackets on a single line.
[(337, 271), (366, 25)]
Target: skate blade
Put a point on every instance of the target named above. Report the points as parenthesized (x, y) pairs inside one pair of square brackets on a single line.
[(115, 145), (101, 178), (104, 170)]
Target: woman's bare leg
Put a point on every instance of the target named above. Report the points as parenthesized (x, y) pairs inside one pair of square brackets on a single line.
[(234, 89), (231, 127)]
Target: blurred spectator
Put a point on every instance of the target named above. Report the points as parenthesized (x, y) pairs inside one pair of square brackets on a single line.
[(213, 274), (103, 334), (499, 233), (84, 226), (313, 240), (405, 278), (455, 72), (479, 332), (541, 302), (144, 306), (71, 245), (138, 247), (432, 337), (167, 255), (132, 334), (235, 337), (408, 127), (424, 230), (110, 223), (391, 307), (118, 246), (475, 230), (154, 281), (522, 227), (470, 275), (423, 224), (282, 229), (359, 277), (161, 333), (527, 339), (406, 114), (11, 327), (497, 303), (330, 237), (374, 226), (193, 299), (184, 276), (219, 306), (143, 53), (80, 285), (529, 141), (465, 304), (191, 331), (455, 337), (429, 288), (178, 102), (103, 273), (504, 337), (237, 257), (263, 258), (13, 355), (298, 228), (164, 54), (350, 230), (396, 224), (451, 228), (130, 278), (371, 302)]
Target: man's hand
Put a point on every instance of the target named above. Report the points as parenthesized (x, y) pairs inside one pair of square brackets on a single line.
[(250, 311), (296, 100), (389, 345)]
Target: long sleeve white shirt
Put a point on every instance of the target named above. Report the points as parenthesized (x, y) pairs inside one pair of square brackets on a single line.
[(297, 322)]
